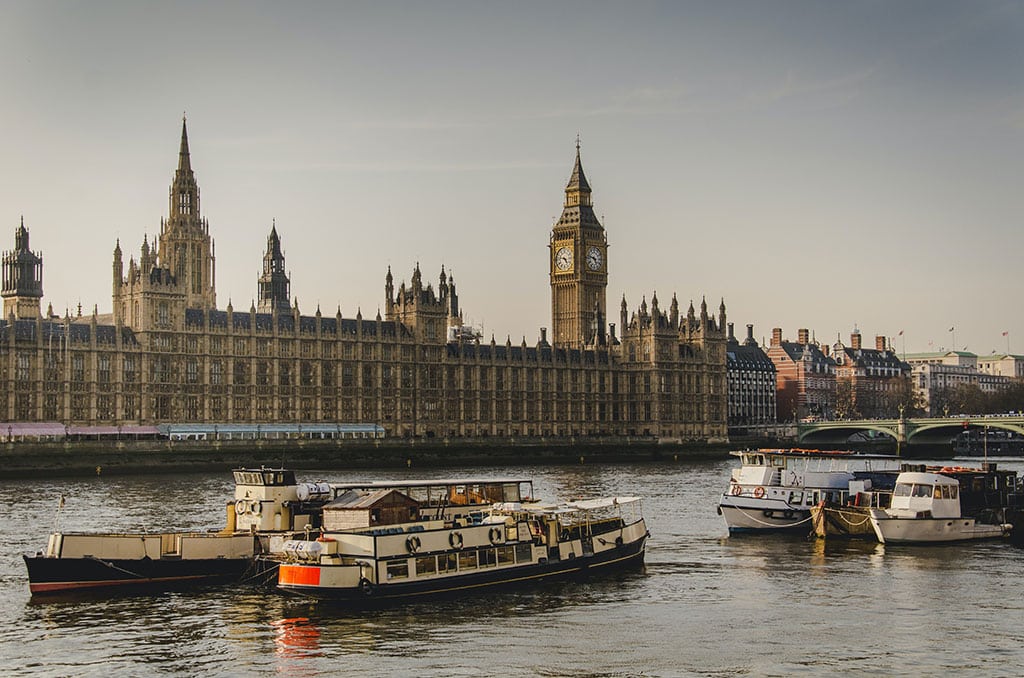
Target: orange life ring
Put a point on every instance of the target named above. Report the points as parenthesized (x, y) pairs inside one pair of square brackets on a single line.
[(758, 492), (737, 490)]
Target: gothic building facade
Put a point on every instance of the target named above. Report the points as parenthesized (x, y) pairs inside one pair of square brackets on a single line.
[(167, 354)]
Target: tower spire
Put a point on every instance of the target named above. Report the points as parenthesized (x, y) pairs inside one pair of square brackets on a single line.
[(184, 161)]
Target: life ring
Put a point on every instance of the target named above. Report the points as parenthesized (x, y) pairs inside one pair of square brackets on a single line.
[(495, 535), (254, 507), (787, 514), (455, 539), (240, 507), (619, 541), (412, 544), (366, 586), (564, 536), (758, 492), (737, 490)]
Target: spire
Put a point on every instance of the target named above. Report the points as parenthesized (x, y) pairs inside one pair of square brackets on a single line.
[(577, 192), (184, 161)]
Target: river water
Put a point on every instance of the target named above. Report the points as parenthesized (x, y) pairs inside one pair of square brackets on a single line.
[(706, 604)]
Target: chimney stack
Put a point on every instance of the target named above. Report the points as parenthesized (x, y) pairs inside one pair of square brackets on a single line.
[(855, 341), (776, 336), (880, 343), (803, 336), (731, 337)]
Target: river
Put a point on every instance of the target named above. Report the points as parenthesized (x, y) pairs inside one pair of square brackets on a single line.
[(706, 604)]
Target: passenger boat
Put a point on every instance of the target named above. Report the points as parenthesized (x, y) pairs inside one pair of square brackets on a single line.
[(269, 508), (775, 489), (926, 508), (267, 502), (382, 546)]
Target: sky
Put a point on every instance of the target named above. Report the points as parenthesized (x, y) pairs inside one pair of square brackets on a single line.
[(820, 165)]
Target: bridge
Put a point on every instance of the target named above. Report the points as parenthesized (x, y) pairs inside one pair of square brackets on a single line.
[(927, 430)]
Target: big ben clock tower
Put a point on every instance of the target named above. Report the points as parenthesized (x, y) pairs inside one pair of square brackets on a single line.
[(579, 267)]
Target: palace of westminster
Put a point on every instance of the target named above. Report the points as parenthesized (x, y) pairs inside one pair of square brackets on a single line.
[(167, 354)]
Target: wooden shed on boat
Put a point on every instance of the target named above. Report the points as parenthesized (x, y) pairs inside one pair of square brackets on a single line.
[(355, 510)]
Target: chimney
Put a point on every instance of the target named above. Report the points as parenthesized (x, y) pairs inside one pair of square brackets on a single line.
[(803, 336), (544, 335), (750, 335), (825, 350), (855, 341), (731, 337), (776, 336), (880, 343)]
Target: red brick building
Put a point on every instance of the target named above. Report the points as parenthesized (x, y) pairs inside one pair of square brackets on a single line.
[(805, 377)]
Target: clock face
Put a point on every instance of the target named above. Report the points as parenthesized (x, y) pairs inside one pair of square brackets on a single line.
[(563, 258), (594, 259)]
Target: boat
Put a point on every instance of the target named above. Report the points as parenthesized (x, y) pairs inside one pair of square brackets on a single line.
[(269, 508), (267, 503), (927, 506), (383, 546), (775, 489)]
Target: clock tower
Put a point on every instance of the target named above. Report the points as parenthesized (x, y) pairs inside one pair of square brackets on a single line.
[(579, 267)]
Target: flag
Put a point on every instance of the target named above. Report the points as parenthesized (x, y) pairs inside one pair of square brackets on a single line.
[(952, 328), (1005, 334), (900, 334)]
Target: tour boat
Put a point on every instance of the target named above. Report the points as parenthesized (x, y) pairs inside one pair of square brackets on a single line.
[(269, 508), (380, 546), (775, 489), (926, 508)]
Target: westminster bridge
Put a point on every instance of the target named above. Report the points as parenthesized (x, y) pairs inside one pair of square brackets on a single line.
[(913, 431)]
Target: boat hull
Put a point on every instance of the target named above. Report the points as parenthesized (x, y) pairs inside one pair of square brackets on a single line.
[(620, 558), (63, 575), (933, 530), (747, 515)]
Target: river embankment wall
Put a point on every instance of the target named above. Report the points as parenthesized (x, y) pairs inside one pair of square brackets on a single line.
[(26, 459)]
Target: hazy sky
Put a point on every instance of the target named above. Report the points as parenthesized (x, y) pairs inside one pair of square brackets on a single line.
[(817, 164)]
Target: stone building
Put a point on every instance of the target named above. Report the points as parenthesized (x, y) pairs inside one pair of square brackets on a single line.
[(933, 372), (166, 353), (752, 381), (806, 377), (870, 382)]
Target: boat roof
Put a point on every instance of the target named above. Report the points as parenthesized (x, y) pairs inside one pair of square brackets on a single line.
[(581, 505), (387, 484), (808, 453), (924, 478)]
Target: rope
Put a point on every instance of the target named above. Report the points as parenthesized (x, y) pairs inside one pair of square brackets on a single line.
[(115, 567), (761, 522)]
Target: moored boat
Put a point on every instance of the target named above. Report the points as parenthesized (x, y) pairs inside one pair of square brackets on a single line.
[(267, 502), (926, 508), (776, 489), (406, 555)]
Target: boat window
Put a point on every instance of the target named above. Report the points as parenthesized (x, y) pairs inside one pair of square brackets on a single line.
[(506, 555), (488, 558), (952, 491), (426, 565), (796, 497), (902, 490), (467, 560), (921, 491), (398, 569), (447, 562), (510, 492), (938, 492), (524, 553), (945, 492)]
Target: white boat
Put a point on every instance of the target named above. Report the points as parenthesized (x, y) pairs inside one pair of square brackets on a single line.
[(925, 508), (775, 489), (383, 545)]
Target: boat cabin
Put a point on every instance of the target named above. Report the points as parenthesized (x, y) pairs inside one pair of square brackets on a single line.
[(925, 495), (354, 510)]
